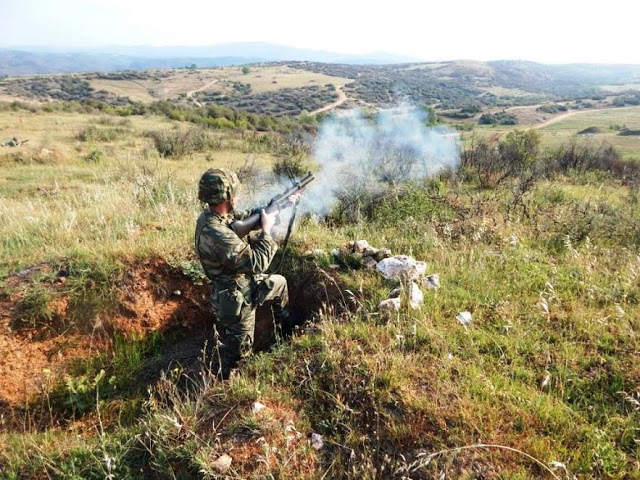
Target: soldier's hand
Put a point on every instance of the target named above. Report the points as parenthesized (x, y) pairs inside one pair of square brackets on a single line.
[(292, 200), (268, 220)]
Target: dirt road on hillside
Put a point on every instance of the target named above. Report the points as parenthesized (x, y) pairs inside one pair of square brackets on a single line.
[(192, 92), (342, 97)]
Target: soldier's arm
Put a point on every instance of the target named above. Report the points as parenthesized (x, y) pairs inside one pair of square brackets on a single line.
[(240, 257), (242, 214)]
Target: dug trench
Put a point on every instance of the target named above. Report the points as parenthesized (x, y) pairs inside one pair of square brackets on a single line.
[(160, 316)]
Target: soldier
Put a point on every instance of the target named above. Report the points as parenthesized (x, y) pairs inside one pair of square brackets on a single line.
[(236, 266), (11, 143)]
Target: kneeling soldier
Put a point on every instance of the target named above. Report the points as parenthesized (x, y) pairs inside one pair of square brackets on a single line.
[(235, 266)]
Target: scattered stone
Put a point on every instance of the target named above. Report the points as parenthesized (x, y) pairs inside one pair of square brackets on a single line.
[(361, 246), (383, 253), (316, 441), (544, 383), (395, 293), (369, 262), (60, 280), (389, 305), (176, 293), (401, 267), (335, 253), (416, 297), (334, 266), (555, 465), (464, 318), (370, 252), (223, 463), (291, 434), (432, 282), (258, 407)]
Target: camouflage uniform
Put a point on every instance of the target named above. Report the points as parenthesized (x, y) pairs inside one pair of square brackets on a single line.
[(236, 269)]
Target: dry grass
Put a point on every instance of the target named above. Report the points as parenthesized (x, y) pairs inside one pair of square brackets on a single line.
[(261, 79)]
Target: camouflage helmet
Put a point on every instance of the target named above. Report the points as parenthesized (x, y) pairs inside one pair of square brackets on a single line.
[(218, 185)]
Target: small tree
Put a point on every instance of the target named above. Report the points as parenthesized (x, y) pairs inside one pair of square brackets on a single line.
[(245, 69)]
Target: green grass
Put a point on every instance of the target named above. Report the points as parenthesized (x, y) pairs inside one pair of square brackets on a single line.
[(547, 371), (563, 130)]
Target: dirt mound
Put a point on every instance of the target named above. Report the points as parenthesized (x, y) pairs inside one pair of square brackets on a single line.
[(590, 131), (154, 296), (628, 132)]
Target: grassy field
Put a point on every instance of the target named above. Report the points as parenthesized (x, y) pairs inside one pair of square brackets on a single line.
[(566, 126), (262, 79), (543, 383)]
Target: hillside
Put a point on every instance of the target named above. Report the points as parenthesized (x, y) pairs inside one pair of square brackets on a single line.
[(31, 61), (461, 91), (521, 360)]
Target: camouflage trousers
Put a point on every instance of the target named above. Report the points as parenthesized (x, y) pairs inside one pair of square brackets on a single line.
[(236, 315)]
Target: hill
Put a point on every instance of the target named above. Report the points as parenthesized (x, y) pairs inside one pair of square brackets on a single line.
[(30, 60)]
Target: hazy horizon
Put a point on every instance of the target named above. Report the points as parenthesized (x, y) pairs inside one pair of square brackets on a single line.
[(548, 32)]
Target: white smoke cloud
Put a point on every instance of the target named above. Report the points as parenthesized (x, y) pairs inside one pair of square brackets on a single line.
[(363, 154), (360, 153)]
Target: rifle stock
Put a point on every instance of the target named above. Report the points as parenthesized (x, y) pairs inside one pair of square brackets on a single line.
[(243, 227)]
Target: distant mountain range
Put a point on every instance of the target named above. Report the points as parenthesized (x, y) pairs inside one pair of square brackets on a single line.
[(39, 60)]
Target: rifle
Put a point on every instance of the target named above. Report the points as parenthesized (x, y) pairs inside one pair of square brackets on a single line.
[(253, 222)]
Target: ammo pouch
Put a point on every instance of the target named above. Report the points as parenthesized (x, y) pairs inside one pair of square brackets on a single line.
[(230, 302)]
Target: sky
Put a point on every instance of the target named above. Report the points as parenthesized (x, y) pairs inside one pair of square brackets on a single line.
[(558, 31)]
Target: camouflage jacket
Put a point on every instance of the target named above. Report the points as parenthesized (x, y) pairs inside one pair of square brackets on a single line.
[(226, 258)]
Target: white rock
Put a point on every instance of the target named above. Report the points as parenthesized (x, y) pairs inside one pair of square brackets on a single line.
[(464, 318), (369, 262), (361, 246), (334, 266), (223, 463), (401, 267), (258, 407), (554, 464), (316, 441), (432, 281), (291, 434), (416, 297), (389, 305), (335, 253)]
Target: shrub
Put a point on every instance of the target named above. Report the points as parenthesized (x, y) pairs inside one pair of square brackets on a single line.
[(291, 154), (181, 142), (500, 118), (513, 156), (96, 134), (95, 156)]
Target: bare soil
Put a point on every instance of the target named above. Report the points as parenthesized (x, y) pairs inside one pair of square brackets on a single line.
[(153, 297)]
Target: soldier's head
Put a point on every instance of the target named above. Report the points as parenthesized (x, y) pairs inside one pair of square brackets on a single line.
[(15, 139), (217, 186)]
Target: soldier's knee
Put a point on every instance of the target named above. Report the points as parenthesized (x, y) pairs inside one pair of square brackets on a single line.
[(279, 283)]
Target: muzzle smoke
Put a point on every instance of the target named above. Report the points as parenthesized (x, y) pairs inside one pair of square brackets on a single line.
[(355, 153)]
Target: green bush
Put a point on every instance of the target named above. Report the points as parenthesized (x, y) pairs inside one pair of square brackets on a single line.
[(96, 134), (181, 142)]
